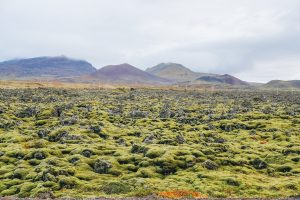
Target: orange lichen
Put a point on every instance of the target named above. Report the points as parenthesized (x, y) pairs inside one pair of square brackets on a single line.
[(177, 194), (264, 142)]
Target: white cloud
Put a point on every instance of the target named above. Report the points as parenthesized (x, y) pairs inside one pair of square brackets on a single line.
[(234, 36)]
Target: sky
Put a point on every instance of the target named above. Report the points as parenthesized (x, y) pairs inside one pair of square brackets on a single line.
[(254, 40)]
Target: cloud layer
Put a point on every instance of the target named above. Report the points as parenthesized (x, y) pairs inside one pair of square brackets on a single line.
[(252, 39)]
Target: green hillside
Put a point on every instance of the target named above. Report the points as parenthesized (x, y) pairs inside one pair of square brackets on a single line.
[(293, 84)]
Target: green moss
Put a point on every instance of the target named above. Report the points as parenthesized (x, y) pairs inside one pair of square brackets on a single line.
[(40, 122), (42, 193), (79, 143), (20, 173), (154, 153), (11, 191), (2, 187), (167, 165), (25, 189), (68, 182), (45, 114), (115, 188), (147, 172), (232, 182)]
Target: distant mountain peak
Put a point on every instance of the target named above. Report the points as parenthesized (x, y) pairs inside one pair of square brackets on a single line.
[(225, 79), (45, 66), (173, 71), (125, 73), (116, 70), (68, 69), (123, 65), (167, 66), (292, 84)]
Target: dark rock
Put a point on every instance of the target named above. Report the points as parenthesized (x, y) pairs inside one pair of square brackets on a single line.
[(43, 133), (69, 121), (138, 114), (284, 169), (87, 153), (257, 163), (27, 112), (39, 155), (208, 164), (165, 112), (96, 129), (72, 137), (121, 141), (220, 140), (45, 195), (102, 166), (74, 160), (58, 111), (138, 149), (58, 136), (180, 139), (103, 135), (149, 139)]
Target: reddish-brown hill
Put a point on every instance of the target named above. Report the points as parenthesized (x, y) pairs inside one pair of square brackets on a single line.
[(124, 73)]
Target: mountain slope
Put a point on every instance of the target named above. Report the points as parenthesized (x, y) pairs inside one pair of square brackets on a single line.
[(124, 74), (222, 79), (180, 73), (46, 67), (173, 71), (283, 84)]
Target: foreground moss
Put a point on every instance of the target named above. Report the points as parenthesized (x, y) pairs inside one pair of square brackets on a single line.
[(136, 142)]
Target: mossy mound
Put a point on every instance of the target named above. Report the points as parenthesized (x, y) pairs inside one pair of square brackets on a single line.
[(122, 143)]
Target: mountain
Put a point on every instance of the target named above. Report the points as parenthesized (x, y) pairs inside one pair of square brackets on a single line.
[(124, 74), (64, 69), (180, 73), (44, 67), (173, 71), (222, 79), (283, 84)]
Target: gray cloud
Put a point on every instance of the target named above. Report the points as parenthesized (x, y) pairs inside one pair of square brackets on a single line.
[(253, 39)]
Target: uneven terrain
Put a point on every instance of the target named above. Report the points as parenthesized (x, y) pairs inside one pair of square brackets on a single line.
[(134, 142)]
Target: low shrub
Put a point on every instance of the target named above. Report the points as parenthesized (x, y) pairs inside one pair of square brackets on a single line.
[(154, 153), (284, 168), (11, 191), (68, 182), (26, 188), (232, 182), (167, 166), (146, 172), (115, 188)]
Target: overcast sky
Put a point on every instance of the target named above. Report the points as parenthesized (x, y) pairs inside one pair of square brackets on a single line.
[(255, 40)]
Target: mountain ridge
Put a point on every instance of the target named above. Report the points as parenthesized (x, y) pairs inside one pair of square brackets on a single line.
[(290, 84), (173, 71), (45, 66), (223, 79), (180, 73), (62, 68), (124, 73)]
